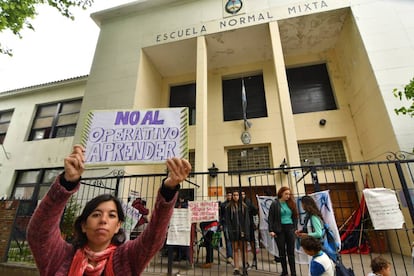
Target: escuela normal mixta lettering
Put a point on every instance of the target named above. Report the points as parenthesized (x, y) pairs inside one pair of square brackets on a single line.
[(143, 138)]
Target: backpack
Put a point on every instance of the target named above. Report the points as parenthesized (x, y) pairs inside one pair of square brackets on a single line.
[(329, 245), (341, 270)]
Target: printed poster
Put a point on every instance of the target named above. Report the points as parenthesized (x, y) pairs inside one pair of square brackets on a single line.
[(127, 137), (383, 208)]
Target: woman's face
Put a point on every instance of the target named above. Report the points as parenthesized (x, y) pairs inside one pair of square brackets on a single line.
[(285, 195), (236, 196), (101, 225)]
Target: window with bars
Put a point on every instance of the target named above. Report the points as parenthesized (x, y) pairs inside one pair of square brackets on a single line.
[(55, 120), (5, 118), (253, 158), (310, 89), (322, 153), (185, 96), (255, 98)]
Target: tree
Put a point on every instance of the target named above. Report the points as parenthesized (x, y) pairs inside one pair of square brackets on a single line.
[(408, 94), (15, 15)]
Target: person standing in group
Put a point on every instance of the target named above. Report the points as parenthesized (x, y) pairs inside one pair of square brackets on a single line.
[(238, 223), (313, 222), (283, 218), (99, 247), (253, 244), (224, 228), (320, 264)]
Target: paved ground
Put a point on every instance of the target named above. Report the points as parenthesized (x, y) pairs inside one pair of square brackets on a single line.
[(402, 266)]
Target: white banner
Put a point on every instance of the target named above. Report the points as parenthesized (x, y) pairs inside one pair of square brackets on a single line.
[(383, 208), (324, 203), (269, 242), (179, 231)]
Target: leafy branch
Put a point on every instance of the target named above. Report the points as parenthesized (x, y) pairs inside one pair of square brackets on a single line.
[(15, 15), (407, 94)]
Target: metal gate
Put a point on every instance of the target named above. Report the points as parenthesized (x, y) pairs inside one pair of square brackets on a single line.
[(346, 181)]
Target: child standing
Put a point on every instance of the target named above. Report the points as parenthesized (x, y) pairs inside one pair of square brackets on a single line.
[(320, 264)]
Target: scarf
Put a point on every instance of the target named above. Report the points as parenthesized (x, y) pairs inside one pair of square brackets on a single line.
[(81, 262)]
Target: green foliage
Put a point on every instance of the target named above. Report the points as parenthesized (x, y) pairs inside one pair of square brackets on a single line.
[(69, 217), (408, 94), (15, 15)]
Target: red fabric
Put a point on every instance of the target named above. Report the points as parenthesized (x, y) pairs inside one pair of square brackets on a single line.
[(355, 226), (81, 264)]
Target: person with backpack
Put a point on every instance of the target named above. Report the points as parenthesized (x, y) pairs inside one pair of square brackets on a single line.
[(313, 223), (320, 264)]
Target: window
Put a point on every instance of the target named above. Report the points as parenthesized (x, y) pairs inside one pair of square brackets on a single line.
[(322, 153), (255, 97), (184, 96), (253, 158), (310, 89), (33, 184), (5, 118), (55, 120)]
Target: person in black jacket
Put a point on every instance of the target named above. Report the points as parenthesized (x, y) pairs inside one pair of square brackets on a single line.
[(283, 219), (224, 228), (238, 223)]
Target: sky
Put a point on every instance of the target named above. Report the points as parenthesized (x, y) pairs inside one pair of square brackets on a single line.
[(58, 49)]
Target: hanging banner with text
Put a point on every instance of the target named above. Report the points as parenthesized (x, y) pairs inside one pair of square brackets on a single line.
[(383, 208), (126, 137)]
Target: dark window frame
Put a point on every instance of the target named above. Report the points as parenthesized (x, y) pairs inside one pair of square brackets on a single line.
[(184, 96), (255, 97), (54, 129), (310, 89), (5, 123)]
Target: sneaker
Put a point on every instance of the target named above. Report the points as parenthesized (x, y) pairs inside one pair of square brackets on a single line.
[(236, 272), (229, 260)]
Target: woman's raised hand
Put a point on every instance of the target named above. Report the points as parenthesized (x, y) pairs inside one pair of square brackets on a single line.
[(178, 170), (75, 164)]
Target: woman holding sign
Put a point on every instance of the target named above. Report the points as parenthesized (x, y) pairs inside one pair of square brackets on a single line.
[(99, 247)]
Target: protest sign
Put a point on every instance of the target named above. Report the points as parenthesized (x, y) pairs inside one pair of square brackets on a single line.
[(203, 210), (132, 216), (383, 208), (180, 227), (123, 137)]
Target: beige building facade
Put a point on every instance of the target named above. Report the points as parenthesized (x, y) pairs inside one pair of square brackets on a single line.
[(214, 49)]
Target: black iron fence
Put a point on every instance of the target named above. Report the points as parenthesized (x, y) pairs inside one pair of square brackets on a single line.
[(344, 181)]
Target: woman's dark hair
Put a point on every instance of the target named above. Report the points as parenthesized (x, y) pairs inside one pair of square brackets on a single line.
[(309, 205), (290, 202), (80, 239), (378, 264), (311, 244)]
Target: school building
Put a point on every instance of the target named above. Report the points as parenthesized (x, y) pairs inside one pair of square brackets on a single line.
[(317, 77)]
